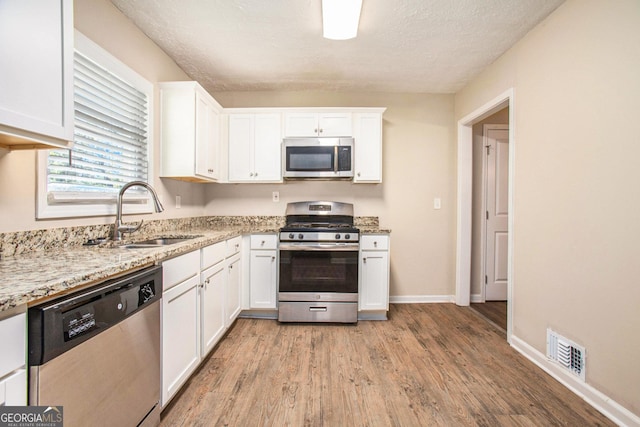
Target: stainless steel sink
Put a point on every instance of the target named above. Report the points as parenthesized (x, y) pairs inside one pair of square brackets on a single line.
[(158, 241)]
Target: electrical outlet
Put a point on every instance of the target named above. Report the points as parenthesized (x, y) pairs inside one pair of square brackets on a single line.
[(178, 202), (275, 196)]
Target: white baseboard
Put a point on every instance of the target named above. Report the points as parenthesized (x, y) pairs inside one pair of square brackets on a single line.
[(476, 298), (419, 299), (610, 408)]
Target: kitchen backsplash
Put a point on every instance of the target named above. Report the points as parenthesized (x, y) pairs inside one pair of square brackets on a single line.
[(15, 243)]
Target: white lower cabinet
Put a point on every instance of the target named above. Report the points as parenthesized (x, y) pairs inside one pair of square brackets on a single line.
[(234, 280), (201, 299), (180, 322), (263, 281), (213, 306), (374, 274), (13, 375)]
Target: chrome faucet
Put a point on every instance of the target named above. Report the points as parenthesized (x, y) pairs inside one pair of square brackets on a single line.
[(124, 228)]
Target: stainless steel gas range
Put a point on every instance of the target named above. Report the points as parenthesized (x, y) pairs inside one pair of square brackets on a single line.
[(318, 280)]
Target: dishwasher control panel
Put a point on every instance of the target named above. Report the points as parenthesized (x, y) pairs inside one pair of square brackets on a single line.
[(59, 325)]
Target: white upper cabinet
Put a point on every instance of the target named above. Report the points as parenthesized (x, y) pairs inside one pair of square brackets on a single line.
[(36, 76), (190, 133), (255, 147), (318, 124), (367, 133)]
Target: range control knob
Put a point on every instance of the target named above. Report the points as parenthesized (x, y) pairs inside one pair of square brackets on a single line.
[(337, 236), (291, 235), (300, 236), (347, 236)]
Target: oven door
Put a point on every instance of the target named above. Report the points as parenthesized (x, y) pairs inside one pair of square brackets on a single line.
[(318, 268)]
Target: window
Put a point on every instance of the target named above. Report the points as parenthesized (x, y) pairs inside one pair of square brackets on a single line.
[(112, 135)]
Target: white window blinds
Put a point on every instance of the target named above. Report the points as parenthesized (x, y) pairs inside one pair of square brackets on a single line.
[(110, 137)]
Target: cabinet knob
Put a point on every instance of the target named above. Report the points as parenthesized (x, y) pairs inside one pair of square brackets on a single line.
[(364, 260), (273, 258), (358, 173), (375, 244), (262, 243), (315, 130), (320, 130), (255, 174), (250, 173)]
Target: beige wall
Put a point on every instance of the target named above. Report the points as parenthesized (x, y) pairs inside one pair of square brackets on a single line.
[(104, 24), (576, 193), (418, 165)]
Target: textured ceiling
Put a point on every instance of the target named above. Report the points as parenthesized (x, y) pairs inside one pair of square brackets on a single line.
[(419, 46)]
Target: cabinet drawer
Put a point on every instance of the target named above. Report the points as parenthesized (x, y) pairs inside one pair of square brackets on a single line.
[(179, 269), (211, 255), (374, 242), (233, 246), (264, 241), (13, 338)]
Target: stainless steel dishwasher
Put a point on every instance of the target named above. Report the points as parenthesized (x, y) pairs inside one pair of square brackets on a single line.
[(96, 353)]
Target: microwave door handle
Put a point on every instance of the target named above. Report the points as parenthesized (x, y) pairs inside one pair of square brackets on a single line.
[(335, 159)]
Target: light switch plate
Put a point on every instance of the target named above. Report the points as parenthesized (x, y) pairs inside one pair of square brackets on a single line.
[(437, 203)]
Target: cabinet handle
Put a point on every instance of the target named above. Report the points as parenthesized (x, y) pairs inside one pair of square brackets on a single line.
[(210, 170)]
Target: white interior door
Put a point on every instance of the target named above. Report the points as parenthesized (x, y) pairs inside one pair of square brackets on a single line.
[(496, 143)]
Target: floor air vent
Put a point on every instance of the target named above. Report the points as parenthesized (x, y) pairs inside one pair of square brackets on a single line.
[(566, 353)]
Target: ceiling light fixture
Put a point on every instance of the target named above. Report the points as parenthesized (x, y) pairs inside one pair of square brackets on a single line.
[(340, 18)]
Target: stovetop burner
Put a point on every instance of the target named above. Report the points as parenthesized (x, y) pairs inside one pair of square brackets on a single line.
[(319, 221)]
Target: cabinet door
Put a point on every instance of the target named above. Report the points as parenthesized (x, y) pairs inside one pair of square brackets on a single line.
[(368, 151), (301, 124), (36, 76), (180, 336), (233, 289), (206, 152), (241, 131), (212, 306), (267, 148), (374, 280), (13, 389), (263, 280), (334, 124)]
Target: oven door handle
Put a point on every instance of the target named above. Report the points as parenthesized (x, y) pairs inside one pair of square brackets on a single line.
[(345, 247)]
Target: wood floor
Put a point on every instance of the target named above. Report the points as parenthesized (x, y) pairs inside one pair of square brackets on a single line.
[(495, 311), (429, 365)]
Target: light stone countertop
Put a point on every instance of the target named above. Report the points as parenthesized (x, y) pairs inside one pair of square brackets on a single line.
[(33, 277), (30, 278)]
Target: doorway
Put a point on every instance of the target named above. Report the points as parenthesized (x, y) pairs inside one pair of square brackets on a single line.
[(465, 195)]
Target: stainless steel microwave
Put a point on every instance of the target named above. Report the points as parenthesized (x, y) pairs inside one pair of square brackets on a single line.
[(323, 158)]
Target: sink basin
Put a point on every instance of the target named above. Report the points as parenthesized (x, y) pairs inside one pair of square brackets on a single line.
[(159, 241)]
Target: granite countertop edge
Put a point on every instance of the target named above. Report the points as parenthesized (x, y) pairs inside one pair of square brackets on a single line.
[(32, 278)]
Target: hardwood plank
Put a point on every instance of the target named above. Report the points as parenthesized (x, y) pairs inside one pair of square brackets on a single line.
[(429, 364), (494, 311)]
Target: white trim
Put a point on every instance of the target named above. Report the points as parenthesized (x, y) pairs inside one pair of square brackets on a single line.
[(477, 298), (421, 299), (603, 403), (464, 206)]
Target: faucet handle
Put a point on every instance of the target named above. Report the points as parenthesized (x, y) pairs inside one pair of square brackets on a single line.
[(126, 228)]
